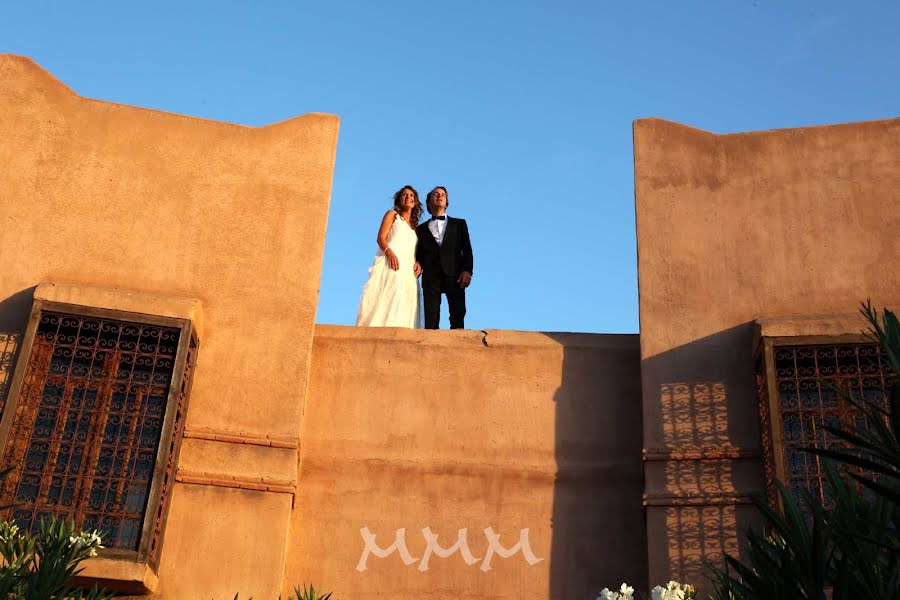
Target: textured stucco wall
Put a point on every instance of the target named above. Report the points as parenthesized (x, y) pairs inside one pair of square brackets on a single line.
[(109, 196), (733, 228), (467, 429)]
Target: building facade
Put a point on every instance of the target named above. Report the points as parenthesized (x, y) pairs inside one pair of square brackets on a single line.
[(162, 377)]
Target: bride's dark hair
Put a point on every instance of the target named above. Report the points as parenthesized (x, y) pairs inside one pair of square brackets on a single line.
[(416, 210)]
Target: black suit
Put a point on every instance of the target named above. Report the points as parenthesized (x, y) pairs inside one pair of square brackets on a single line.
[(441, 267)]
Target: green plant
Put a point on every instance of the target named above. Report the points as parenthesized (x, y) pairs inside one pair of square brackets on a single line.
[(301, 594), (41, 566), (309, 594), (816, 553), (848, 551), (876, 449)]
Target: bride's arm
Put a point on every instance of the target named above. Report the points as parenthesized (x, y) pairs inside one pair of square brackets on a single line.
[(386, 223)]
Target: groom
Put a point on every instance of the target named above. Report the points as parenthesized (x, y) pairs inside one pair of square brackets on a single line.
[(445, 254)]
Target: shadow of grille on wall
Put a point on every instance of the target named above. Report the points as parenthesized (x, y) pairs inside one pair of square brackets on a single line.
[(697, 463), (802, 389), (700, 534), (84, 438)]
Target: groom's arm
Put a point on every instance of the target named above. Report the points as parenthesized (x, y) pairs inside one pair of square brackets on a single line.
[(419, 244), (465, 247)]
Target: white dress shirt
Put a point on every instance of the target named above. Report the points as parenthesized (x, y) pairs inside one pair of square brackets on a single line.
[(437, 229)]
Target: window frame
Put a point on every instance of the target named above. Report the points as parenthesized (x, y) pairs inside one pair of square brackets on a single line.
[(156, 501), (771, 429)]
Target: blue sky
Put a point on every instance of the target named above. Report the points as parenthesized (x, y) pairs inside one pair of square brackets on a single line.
[(521, 108)]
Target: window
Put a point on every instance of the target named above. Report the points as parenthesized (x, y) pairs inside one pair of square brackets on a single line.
[(94, 420), (802, 384)]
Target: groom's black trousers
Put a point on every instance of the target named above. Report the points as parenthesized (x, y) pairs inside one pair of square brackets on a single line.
[(432, 288)]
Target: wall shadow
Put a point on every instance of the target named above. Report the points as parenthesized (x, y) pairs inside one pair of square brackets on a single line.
[(702, 453), (598, 528), (14, 312)]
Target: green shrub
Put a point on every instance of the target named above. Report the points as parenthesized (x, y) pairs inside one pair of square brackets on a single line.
[(849, 551), (40, 566), (301, 594)]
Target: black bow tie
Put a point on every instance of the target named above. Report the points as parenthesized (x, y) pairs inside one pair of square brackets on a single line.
[(441, 218)]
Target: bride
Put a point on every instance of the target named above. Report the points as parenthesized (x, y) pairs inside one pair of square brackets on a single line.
[(391, 295)]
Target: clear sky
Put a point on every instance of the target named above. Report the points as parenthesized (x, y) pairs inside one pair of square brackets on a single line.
[(521, 108)]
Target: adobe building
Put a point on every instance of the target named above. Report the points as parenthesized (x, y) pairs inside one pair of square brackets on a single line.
[(162, 377)]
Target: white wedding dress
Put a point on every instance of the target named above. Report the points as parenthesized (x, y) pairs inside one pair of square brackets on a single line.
[(391, 298)]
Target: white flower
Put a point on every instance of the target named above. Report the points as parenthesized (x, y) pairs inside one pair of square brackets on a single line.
[(8, 532), (673, 591), (626, 592), (605, 594), (85, 540)]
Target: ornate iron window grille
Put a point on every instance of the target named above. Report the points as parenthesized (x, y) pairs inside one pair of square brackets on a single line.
[(94, 422), (802, 386)]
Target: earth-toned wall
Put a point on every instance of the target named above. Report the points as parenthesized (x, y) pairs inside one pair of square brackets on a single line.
[(411, 429), (144, 211), (165, 207), (730, 229), (123, 208)]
